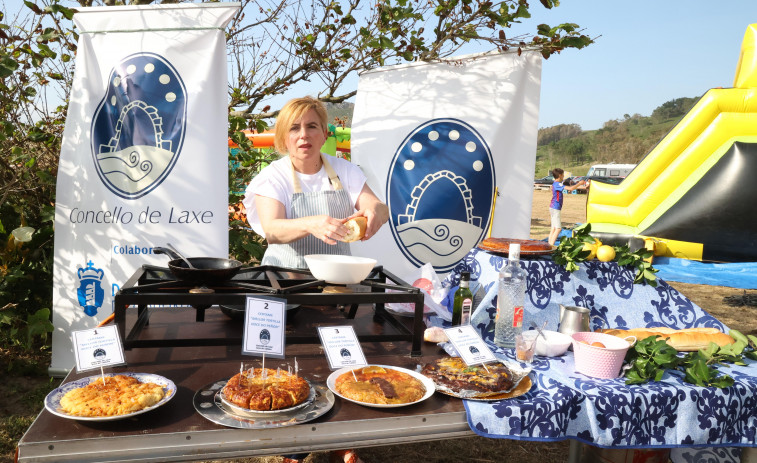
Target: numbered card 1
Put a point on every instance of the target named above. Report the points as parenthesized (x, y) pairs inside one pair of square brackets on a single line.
[(264, 327), (97, 348), (469, 345), (341, 346)]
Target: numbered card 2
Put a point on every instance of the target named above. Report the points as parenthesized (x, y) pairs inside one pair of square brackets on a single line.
[(265, 327)]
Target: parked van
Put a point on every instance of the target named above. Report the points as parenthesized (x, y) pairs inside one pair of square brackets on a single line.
[(610, 170)]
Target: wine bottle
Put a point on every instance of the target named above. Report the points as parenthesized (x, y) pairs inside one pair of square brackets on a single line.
[(462, 305)]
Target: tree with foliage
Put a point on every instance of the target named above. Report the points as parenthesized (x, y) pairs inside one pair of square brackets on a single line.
[(624, 141), (275, 46), (35, 68), (674, 108), (557, 132)]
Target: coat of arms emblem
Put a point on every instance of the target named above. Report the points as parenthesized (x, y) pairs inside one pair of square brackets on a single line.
[(90, 292)]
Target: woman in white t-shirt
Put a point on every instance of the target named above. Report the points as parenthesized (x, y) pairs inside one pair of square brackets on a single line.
[(300, 202)]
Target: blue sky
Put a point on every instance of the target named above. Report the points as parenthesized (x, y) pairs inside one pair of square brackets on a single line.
[(649, 52)]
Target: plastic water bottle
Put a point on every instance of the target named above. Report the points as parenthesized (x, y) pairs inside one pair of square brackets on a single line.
[(511, 296)]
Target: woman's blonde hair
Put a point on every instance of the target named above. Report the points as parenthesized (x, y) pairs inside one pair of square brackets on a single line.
[(292, 111)]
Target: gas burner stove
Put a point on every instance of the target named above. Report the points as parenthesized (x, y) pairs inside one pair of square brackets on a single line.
[(152, 288)]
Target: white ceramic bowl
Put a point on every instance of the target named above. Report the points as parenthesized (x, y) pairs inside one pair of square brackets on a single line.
[(339, 270), (555, 345)]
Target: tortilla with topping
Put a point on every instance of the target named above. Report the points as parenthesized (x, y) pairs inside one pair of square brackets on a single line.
[(378, 385)]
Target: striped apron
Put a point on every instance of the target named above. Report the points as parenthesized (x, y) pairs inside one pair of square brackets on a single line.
[(334, 203)]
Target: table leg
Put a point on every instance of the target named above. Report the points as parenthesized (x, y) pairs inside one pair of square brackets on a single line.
[(418, 325), (353, 311), (574, 453), (119, 318), (748, 455)]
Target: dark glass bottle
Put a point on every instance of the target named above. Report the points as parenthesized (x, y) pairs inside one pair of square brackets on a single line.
[(462, 305)]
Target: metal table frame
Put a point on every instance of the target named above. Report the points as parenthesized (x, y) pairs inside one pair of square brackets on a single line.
[(236, 443)]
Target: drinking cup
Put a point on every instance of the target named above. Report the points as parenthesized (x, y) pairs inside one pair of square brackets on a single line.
[(524, 346)]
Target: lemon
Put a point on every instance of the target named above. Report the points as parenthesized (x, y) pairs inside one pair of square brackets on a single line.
[(590, 247), (605, 253)]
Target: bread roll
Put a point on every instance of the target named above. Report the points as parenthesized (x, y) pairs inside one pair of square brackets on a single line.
[(434, 334), (356, 227), (684, 340)]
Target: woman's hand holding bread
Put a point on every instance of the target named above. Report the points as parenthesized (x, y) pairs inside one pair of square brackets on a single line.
[(355, 229)]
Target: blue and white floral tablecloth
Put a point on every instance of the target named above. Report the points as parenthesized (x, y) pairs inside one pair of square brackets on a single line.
[(563, 404)]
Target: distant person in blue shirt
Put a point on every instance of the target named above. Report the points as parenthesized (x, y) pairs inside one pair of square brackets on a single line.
[(555, 206)]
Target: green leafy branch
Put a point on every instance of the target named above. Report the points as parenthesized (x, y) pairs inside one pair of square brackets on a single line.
[(571, 250), (576, 248), (652, 357)]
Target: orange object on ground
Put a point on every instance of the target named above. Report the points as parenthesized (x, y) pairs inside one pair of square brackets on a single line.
[(259, 140)]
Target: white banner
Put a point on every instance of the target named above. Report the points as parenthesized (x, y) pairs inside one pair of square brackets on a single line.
[(435, 139), (144, 154)]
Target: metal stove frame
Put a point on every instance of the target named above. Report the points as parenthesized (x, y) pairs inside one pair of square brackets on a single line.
[(157, 286)]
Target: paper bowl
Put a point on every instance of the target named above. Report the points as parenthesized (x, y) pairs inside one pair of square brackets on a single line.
[(340, 270), (555, 345)]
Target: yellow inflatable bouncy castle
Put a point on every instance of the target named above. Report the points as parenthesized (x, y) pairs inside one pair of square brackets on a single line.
[(695, 193)]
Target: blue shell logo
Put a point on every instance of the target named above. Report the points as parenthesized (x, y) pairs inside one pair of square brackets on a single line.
[(439, 192), (138, 128), (90, 293), (265, 336)]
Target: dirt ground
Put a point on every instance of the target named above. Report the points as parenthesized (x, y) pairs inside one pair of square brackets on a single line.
[(474, 449)]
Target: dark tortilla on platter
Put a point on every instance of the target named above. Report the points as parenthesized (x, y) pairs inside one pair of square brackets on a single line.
[(451, 375)]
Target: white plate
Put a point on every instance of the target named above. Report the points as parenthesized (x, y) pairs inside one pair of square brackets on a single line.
[(52, 401), (427, 383)]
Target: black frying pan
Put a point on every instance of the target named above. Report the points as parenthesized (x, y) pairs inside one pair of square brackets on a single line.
[(207, 270)]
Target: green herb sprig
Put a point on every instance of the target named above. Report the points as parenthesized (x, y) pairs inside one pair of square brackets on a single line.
[(650, 358), (571, 251), (641, 261)]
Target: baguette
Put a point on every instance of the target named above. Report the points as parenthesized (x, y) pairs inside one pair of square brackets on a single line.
[(684, 340), (356, 227)]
